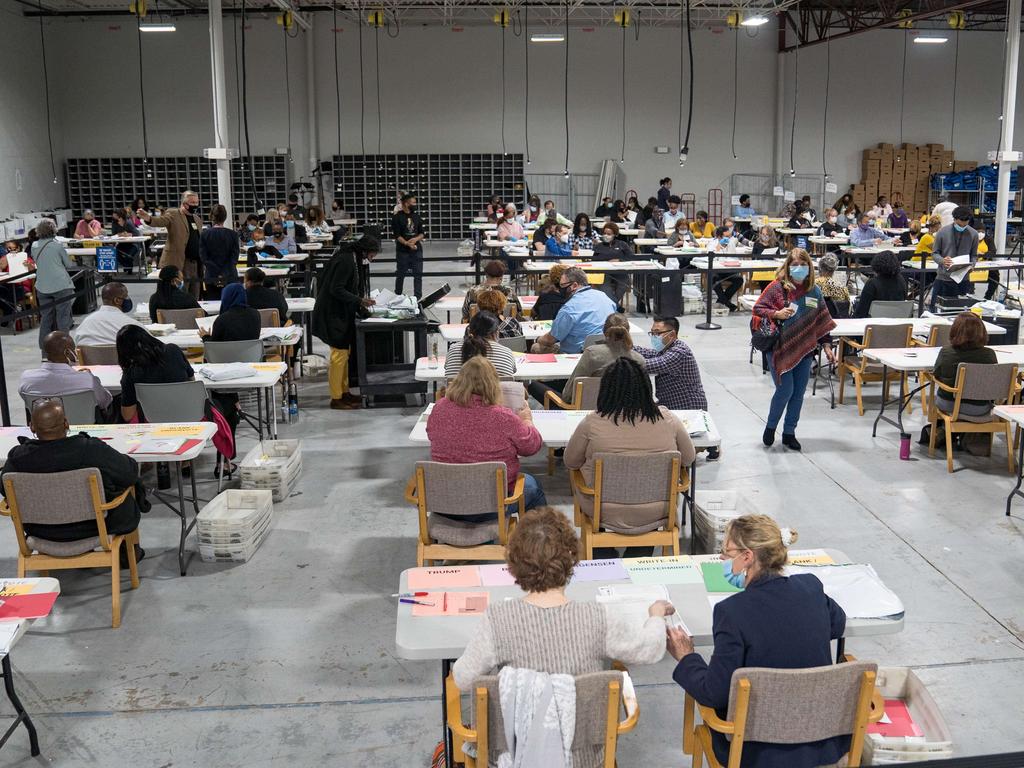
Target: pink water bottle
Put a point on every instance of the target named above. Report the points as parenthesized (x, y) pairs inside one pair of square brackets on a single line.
[(904, 446)]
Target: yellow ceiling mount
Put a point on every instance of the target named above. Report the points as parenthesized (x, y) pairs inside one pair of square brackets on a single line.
[(623, 18), (137, 8), (503, 18), (957, 20), (376, 18), (903, 14), (733, 19)]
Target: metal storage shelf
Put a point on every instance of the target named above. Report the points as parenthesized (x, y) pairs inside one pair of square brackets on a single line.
[(106, 183), (451, 189)]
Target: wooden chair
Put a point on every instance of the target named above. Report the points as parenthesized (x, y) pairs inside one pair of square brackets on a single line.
[(633, 479), (444, 492), (55, 498), (996, 382), (875, 337), (99, 354), (598, 698), (938, 336), (788, 706), (183, 319), (584, 398), (269, 318)]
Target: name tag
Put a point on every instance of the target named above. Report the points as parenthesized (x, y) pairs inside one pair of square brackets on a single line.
[(811, 303)]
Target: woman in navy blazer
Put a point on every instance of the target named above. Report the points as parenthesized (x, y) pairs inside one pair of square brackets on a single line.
[(776, 621)]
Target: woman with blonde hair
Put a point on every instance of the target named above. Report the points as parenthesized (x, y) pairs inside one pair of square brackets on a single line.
[(469, 424), (792, 307), (617, 343), (777, 621)]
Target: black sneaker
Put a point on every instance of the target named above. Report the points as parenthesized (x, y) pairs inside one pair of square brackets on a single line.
[(791, 442), (768, 438), (714, 454)]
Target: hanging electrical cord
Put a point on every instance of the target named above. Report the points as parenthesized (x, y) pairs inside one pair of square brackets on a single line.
[(903, 81), (622, 67), (735, 82), (684, 149), (824, 115), (501, 74), (565, 99), (796, 102), (337, 76), (526, 48), (956, 68), (1002, 88), (376, 54), (387, 27), (46, 91), (142, 101), (288, 93), (238, 89), (245, 120), (362, 100)]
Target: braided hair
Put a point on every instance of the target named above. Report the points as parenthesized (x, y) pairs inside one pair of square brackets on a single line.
[(626, 392)]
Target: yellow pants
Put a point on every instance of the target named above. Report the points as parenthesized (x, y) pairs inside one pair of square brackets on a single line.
[(337, 373)]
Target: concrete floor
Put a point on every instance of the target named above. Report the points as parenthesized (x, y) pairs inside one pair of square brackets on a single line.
[(289, 659)]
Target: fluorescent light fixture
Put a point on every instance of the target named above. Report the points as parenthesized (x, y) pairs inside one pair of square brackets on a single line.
[(547, 38), (933, 40), (158, 27), (754, 21)]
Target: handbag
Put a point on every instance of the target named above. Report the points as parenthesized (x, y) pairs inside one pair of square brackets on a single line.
[(765, 335)]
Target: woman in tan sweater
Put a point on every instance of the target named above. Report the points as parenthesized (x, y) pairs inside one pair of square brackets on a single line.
[(627, 420)]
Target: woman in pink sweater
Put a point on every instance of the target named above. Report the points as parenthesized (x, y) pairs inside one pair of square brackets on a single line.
[(469, 425), (88, 226)]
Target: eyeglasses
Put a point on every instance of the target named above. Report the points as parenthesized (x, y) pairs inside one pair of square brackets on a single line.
[(653, 332), (725, 551)]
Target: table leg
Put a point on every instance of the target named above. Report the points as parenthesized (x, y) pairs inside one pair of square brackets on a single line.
[(707, 325), (272, 394), (181, 512), (690, 498), (259, 413), (1020, 473), (881, 410), (903, 401), (23, 716), (446, 735)]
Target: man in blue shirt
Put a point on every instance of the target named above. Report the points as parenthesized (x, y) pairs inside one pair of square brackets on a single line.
[(582, 315), (743, 210), (866, 235)]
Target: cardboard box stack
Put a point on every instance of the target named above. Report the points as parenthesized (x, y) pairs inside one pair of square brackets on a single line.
[(902, 173)]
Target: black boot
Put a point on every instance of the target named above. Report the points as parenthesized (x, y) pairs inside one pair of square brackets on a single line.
[(790, 441), (768, 438)]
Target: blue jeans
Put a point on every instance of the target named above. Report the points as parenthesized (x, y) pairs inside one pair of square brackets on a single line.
[(942, 288), (789, 394), (533, 495)]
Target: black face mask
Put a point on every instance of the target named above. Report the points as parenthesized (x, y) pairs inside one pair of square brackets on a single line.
[(127, 304), (565, 291), (412, 209), (191, 208)]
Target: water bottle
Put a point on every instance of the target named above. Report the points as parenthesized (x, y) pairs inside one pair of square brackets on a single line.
[(904, 446), (293, 400), (433, 361)]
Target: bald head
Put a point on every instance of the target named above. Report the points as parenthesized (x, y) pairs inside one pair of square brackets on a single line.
[(114, 294), (59, 347), (48, 420)]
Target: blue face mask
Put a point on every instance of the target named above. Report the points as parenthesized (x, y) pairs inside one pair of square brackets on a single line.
[(736, 579), (798, 272), (252, 227), (658, 343), (959, 228)]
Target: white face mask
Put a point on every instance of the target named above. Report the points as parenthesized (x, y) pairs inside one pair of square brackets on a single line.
[(260, 243), (607, 238), (564, 238), (831, 219)]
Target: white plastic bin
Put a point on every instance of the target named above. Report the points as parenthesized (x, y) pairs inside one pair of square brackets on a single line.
[(714, 510), (233, 525), (274, 465), (935, 744)]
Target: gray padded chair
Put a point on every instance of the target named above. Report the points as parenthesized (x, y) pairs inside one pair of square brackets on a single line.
[(598, 703), (269, 318), (515, 343), (79, 407), (891, 309), (183, 319), (61, 498), (250, 351), (445, 492), (99, 354), (791, 706)]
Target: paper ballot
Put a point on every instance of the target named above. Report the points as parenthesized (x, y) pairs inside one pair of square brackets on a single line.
[(964, 264), (631, 602)]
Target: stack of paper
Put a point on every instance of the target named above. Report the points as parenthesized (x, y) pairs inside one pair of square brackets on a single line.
[(8, 631), (227, 372)]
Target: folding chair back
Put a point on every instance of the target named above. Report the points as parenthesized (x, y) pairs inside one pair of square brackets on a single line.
[(891, 309), (180, 401), (514, 343), (269, 318), (888, 336), (99, 354), (249, 351), (183, 319), (79, 407)]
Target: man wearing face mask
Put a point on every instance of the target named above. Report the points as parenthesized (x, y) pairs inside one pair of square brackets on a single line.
[(56, 376), (407, 228), (582, 315), (613, 248), (866, 235), (101, 327), (183, 227), (953, 240), (676, 375)]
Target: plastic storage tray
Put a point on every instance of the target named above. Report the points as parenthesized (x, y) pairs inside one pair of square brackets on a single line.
[(714, 510), (935, 744), (274, 465), (233, 525)]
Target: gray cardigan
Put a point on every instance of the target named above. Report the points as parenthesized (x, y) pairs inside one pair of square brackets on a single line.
[(949, 242), (52, 264)]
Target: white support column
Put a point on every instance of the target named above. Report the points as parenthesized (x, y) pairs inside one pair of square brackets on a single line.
[(221, 133), (1010, 79), (311, 114), (780, 109)]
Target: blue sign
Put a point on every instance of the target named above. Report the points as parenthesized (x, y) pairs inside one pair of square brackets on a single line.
[(106, 258)]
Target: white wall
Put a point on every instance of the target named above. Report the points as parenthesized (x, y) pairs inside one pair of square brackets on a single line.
[(441, 93), (24, 151)]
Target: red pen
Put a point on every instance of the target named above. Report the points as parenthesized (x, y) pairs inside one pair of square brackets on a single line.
[(410, 594)]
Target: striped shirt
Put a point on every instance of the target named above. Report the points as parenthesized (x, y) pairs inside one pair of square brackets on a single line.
[(501, 358)]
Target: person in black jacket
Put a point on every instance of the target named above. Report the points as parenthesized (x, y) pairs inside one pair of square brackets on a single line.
[(170, 293), (218, 248), (261, 294), (611, 247), (550, 298), (887, 284), (53, 450), (237, 321), (339, 300), (121, 224)]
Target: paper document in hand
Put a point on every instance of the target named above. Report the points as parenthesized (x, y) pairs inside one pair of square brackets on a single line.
[(631, 601), (205, 323), (857, 589)]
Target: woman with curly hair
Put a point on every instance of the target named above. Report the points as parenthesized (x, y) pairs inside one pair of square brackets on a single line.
[(887, 284)]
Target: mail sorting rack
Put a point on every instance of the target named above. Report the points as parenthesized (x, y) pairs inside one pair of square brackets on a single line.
[(450, 189), (106, 183)]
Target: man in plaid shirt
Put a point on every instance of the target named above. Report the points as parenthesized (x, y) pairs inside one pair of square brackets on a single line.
[(676, 376)]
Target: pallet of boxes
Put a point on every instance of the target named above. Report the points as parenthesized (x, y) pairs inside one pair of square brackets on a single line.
[(234, 524), (901, 174)]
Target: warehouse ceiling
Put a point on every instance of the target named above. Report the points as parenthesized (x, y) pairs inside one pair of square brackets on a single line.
[(811, 20)]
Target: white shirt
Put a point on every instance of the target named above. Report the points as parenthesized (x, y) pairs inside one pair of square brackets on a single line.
[(669, 219), (101, 326), (944, 211)]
